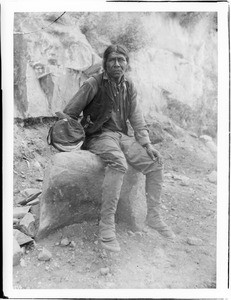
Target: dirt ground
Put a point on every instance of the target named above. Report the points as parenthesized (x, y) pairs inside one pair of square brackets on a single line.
[(146, 259)]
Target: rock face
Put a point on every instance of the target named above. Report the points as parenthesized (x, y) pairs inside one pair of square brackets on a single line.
[(72, 193), (50, 65)]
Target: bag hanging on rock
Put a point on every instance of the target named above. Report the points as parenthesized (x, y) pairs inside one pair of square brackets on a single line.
[(66, 134)]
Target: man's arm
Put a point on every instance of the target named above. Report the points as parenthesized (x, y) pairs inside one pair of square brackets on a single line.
[(137, 120), (82, 98), (141, 132)]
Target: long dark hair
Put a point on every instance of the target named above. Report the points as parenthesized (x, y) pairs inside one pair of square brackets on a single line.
[(117, 49)]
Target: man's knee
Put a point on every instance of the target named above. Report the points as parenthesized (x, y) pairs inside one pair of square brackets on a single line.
[(157, 174), (118, 163)]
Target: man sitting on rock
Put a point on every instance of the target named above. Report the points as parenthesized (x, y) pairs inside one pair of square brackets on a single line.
[(107, 101)]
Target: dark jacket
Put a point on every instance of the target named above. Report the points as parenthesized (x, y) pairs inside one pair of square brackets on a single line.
[(95, 100), (98, 111)]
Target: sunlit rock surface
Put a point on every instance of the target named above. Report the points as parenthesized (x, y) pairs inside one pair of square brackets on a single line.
[(170, 59)]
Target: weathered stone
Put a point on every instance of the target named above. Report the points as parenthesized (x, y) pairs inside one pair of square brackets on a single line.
[(58, 59), (212, 177), (184, 180), (64, 242), (22, 263), (17, 252), (194, 241), (29, 199), (35, 210), (27, 224), (19, 212), (206, 138), (15, 221), (72, 193), (193, 134), (72, 244), (34, 202), (30, 191), (21, 238), (44, 255), (104, 271)]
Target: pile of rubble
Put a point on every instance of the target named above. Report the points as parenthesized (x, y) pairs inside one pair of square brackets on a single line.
[(25, 223)]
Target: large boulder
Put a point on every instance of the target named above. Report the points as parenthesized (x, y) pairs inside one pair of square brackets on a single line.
[(72, 193)]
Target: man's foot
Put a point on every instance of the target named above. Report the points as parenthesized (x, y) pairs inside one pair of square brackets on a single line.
[(111, 245), (161, 227)]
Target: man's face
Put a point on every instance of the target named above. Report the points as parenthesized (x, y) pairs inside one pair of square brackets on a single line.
[(116, 65)]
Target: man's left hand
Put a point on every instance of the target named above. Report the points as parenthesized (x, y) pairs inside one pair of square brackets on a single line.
[(154, 154)]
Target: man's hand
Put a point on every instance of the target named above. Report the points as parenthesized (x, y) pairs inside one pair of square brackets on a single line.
[(153, 153)]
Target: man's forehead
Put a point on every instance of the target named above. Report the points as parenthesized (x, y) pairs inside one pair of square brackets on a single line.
[(115, 54)]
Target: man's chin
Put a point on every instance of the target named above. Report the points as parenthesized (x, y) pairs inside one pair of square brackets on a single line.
[(117, 74)]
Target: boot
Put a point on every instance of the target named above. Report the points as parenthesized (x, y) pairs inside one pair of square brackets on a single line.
[(153, 192), (110, 196)]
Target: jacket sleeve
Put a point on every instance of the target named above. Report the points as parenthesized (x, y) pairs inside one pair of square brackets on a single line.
[(137, 120), (82, 98)]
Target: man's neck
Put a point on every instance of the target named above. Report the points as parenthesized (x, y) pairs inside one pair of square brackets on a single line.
[(116, 80)]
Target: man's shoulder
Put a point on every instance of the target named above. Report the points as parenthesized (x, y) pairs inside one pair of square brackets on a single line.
[(130, 83), (94, 81)]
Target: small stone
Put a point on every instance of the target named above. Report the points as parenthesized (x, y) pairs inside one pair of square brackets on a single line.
[(72, 244), (19, 212), (64, 242), (96, 242), (35, 210), (30, 191), (17, 252), (40, 179), (131, 233), (57, 244), (193, 134), (21, 237), (138, 233), (194, 241), (109, 285), (188, 250), (104, 271), (185, 181), (15, 221), (205, 138), (27, 224), (22, 262), (212, 177), (44, 255), (103, 254), (168, 175), (47, 268), (34, 202)]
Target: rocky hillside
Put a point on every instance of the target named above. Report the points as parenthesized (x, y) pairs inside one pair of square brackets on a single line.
[(173, 61)]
